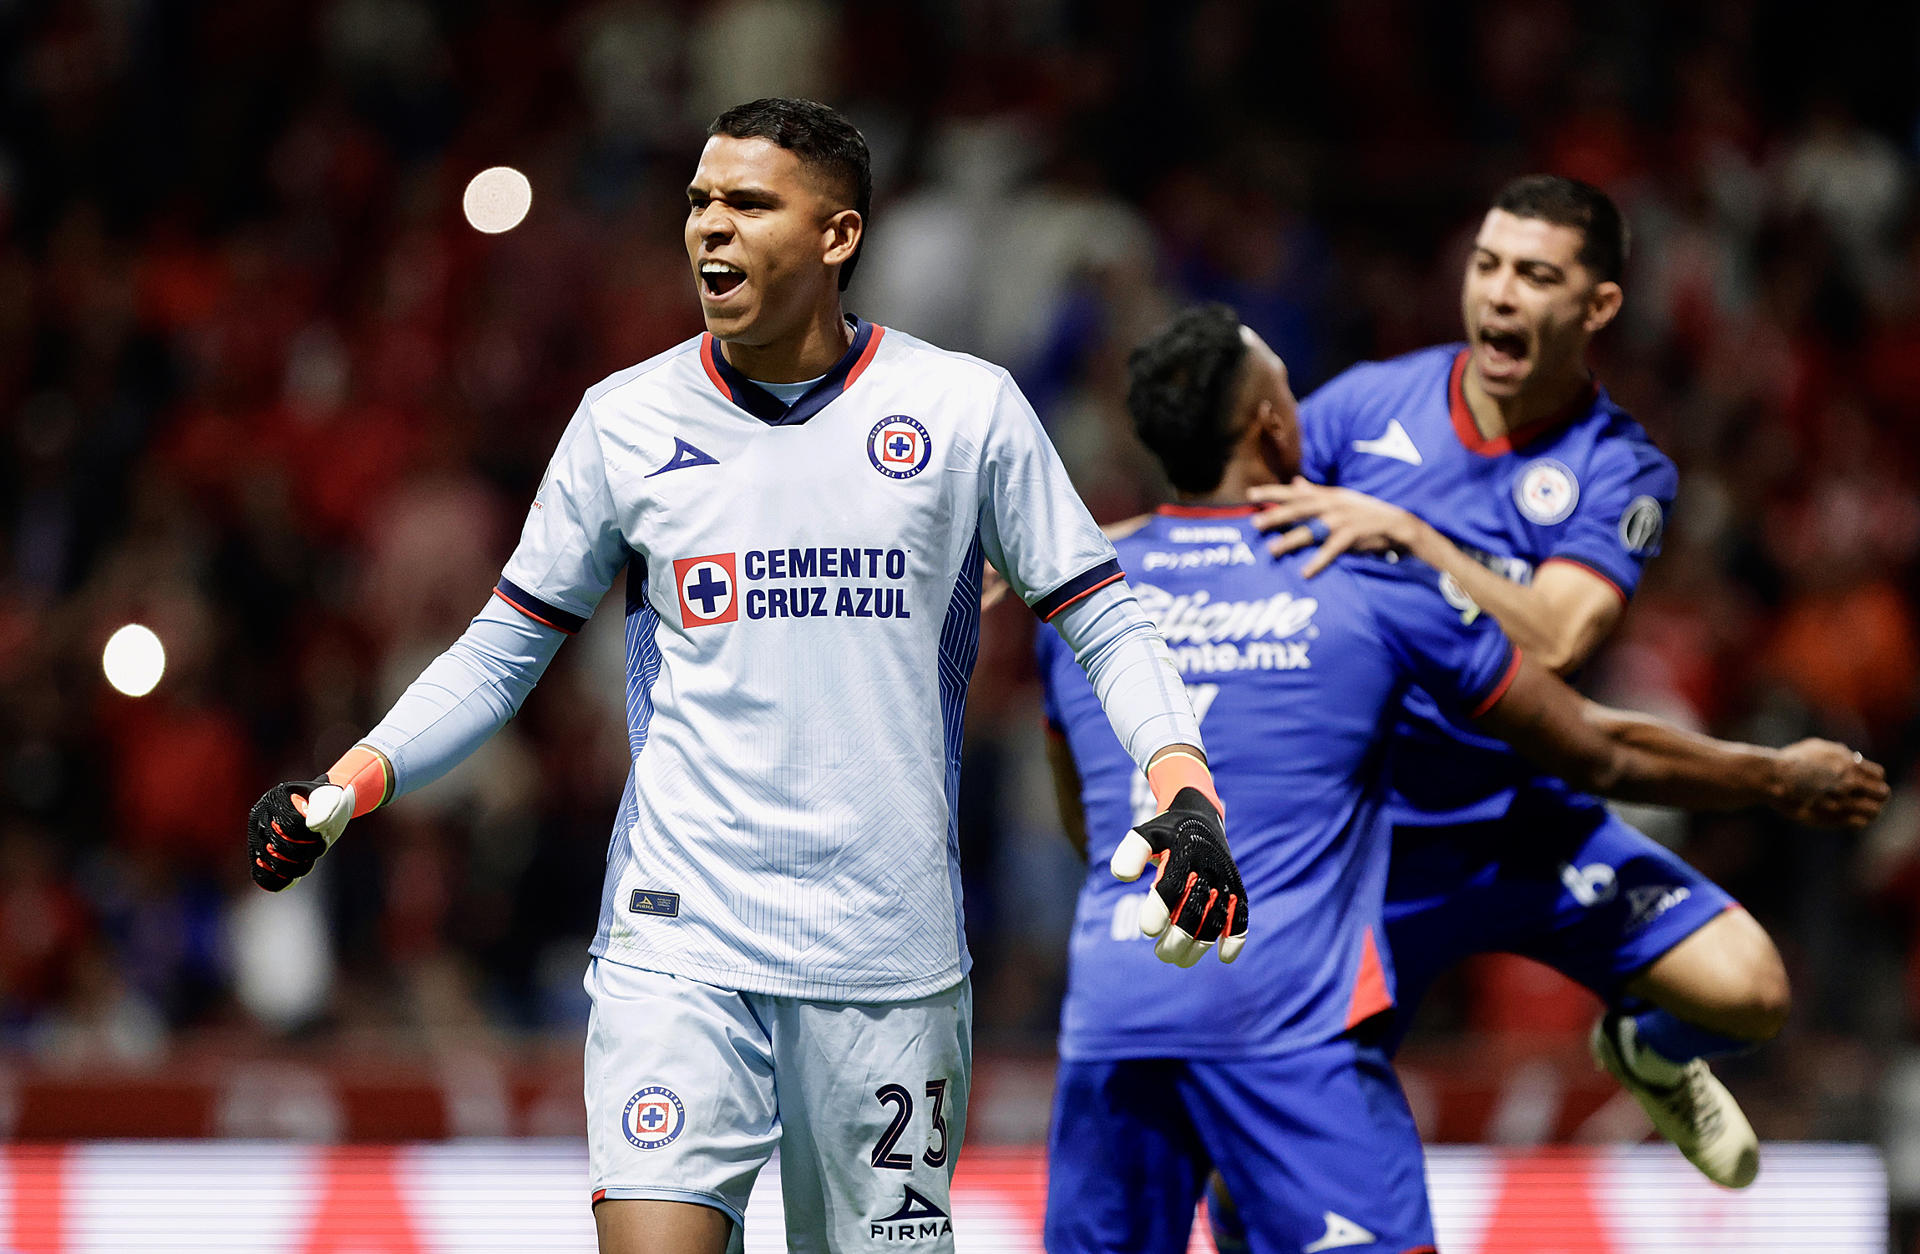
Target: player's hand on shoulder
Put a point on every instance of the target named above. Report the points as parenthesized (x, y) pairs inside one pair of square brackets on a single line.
[(290, 827), (1830, 785), (1339, 520), (1197, 900)]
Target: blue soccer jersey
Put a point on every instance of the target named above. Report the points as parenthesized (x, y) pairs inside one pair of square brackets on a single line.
[(1295, 681), (1586, 486)]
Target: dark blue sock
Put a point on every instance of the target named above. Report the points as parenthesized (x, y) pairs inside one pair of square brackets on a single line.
[(1676, 1040)]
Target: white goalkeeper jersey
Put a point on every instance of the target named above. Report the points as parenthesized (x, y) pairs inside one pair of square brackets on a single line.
[(802, 620)]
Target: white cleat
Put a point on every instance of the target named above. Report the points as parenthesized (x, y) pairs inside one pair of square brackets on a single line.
[(1696, 1113)]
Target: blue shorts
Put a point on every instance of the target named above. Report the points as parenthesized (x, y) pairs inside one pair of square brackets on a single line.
[(1573, 887), (1314, 1145)]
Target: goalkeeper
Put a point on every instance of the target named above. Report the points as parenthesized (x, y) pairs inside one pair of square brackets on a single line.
[(1272, 1069)]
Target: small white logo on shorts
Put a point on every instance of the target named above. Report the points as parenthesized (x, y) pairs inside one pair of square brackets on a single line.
[(653, 1117), (1590, 885), (1546, 491), (1652, 901), (1340, 1231)]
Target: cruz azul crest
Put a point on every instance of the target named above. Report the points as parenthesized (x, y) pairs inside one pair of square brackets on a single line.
[(899, 447)]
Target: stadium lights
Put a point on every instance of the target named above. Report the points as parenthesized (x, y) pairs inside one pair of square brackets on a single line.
[(134, 660), (497, 199)]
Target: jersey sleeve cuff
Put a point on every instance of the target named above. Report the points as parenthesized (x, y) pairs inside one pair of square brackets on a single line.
[(1492, 696), (1082, 585), (539, 611)]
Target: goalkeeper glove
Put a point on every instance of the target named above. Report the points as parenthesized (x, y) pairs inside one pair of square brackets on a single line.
[(290, 827), (1197, 899)]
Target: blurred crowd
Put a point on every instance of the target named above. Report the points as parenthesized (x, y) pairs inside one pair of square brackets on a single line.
[(263, 390)]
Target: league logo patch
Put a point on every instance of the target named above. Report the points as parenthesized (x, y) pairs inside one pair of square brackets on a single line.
[(1457, 597), (707, 590), (653, 1117), (899, 447), (1642, 525), (1546, 491)]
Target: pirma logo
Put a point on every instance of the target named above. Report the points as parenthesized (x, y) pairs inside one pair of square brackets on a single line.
[(653, 1117), (916, 1218), (899, 447), (654, 901), (707, 590)]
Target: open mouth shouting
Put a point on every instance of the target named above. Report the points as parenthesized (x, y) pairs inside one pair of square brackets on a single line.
[(1503, 352), (720, 279)]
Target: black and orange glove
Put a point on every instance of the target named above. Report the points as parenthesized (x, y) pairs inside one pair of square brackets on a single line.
[(1197, 899), (290, 827)]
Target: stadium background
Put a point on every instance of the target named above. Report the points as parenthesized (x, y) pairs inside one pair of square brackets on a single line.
[(264, 390)]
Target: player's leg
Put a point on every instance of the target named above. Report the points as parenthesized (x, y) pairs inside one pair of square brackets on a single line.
[(1317, 1148), (649, 1227), (873, 1103), (681, 1111), (1724, 981), (1124, 1164), (1635, 921)]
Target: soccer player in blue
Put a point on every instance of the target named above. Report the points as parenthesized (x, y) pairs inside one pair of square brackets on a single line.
[(1272, 1069), (1501, 462)]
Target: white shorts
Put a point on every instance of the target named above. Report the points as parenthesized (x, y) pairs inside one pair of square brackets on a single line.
[(690, 1088)]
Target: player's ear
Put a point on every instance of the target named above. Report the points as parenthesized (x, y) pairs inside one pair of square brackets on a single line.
[(842, 232), (1603, 304)]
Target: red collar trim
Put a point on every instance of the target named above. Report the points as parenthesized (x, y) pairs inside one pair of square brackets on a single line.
[(1209, 511), (1469, 433), (713, 372)]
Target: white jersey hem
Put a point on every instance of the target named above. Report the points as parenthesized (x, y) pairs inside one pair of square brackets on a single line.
[(878, 989)]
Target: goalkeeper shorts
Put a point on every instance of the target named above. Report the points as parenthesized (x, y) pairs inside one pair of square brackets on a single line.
[(690, 1089)]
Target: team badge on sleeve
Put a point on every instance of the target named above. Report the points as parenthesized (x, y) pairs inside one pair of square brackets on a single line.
[(899, 447), (653, 1117), (707, 590), (1546, 491)]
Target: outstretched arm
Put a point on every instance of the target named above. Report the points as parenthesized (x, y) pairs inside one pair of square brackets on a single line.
[(1632, 757), (1560, 618), (463, 697)]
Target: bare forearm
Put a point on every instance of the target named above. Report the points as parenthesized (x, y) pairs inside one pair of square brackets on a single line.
[(1635, 758), (1656, 762), (1530, 620)]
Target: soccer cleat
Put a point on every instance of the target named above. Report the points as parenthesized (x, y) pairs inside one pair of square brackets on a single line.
[(1697, 1113)]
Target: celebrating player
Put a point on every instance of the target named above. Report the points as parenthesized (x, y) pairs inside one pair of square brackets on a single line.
[(802, 502), (1272, 1069), (1500, 462)]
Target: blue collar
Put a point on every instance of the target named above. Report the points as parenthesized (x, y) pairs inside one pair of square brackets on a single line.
[(765, 406)]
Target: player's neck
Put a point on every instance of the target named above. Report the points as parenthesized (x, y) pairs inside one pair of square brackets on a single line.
[(1235, 485), (1497, 416), (807, 352)]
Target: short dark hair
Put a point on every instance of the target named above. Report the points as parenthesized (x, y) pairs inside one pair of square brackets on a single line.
[(821, 137), (1582, 206), (1180, 391)]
